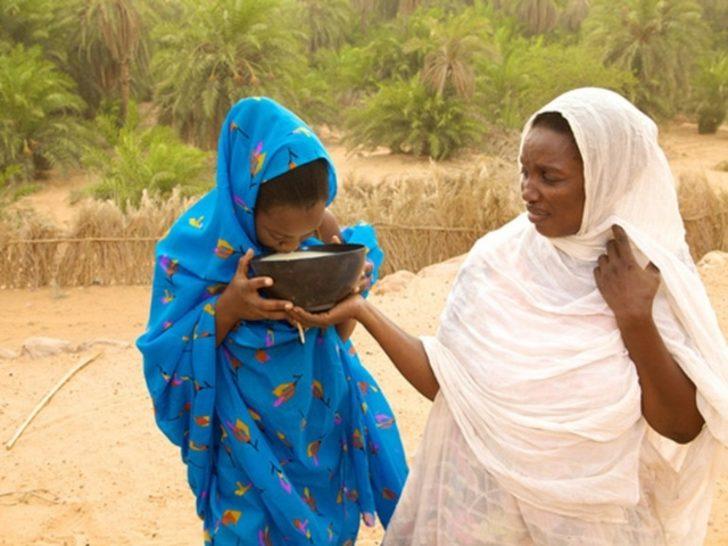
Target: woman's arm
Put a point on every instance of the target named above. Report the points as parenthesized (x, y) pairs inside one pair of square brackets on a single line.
[(405, 351), (668, 395)]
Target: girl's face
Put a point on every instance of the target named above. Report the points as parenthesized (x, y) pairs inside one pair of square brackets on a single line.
[(283, 228), (552, 182)]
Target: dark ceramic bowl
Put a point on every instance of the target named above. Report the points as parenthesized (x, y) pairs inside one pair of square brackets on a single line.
[(316, 284)]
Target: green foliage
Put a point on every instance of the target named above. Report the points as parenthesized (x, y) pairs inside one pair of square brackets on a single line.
[(715, 14), (32, 22), (711, 92), (107, 48), (225, 51), (37, 108), (656, 40), (407, 117), (152, 159), (450, 50), (327, 22), (529, 73)]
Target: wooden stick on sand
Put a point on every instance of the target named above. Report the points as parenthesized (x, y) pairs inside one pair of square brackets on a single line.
[(48, 396)]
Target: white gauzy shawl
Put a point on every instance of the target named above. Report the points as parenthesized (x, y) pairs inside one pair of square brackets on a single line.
[(532, 366)]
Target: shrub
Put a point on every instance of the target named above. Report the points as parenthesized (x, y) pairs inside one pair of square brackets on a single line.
[(152, 159), (407, 117), (711, 91), (528, 73), (220, 53), (38, 109)]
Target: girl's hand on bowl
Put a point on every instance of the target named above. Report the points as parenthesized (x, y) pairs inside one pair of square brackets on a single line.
[(242, 301), (365, 281), (345, 310)]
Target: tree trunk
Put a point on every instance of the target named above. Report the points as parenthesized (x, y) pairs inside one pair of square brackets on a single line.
[(125, 86)]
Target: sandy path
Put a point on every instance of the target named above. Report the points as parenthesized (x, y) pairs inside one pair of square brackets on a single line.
[(93, 469)]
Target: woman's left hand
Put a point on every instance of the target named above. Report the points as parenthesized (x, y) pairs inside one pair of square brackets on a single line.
[(343, 311), (628, 289), (365, 279)]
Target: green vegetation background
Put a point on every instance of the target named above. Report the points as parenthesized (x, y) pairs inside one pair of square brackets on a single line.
[(418, 76)]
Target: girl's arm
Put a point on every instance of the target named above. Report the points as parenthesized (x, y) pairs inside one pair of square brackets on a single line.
[(668, 395), (405, 351)]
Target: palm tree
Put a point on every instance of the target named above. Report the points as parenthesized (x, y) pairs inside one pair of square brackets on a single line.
[(574, 13), (539, 16), (373, 10), (406, 7), (327, 22), (39, 126), (110, 42), (656, 40), (223, 52), (453, 46)]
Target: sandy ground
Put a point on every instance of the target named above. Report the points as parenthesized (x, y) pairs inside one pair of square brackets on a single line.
[(93, 469)]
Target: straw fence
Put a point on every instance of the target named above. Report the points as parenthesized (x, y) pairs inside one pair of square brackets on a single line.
[(420, 221)]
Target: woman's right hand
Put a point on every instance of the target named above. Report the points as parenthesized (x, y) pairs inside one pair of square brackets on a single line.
[(241, 300)]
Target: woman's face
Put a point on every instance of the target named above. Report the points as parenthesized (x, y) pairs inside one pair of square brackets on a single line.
[(552, 182), (283, 228)]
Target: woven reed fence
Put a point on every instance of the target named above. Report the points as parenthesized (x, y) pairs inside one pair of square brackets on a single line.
[(122, 261), (108, 247)]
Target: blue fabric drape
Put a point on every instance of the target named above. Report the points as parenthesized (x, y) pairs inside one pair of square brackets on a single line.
[(285, 443)]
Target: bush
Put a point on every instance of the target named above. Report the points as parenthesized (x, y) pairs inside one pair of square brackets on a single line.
[(38, 109), (711, 91), (218, 53), (407, 117), (529, 73), (153, 159)]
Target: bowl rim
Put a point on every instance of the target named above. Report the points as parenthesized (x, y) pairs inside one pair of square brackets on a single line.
[(340, 248)]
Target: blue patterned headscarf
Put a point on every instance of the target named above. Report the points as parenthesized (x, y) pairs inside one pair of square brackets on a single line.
[(285, 443)]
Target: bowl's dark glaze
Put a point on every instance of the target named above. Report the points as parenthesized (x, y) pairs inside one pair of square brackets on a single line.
[(316, 284)]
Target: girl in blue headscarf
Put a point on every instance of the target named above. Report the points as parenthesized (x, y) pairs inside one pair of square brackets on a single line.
[(285, 442)]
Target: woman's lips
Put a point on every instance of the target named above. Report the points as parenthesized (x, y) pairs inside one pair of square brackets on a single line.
[(536, 215)]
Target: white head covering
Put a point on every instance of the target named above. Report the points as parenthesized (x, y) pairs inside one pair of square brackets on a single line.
[(532, 364)]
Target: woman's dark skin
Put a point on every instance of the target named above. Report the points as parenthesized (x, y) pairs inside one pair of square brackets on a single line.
[(552, 186)]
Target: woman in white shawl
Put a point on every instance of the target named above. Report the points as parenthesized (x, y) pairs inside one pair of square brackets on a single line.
[(579, 374)]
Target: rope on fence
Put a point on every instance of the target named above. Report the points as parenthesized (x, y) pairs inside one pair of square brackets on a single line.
[(82, 240), (383, 225), (60, 240)]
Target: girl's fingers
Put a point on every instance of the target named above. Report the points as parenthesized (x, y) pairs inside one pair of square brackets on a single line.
[(275, 315), (256, 283), (304, 317), (274, 305), (244, 263), (336, 240)]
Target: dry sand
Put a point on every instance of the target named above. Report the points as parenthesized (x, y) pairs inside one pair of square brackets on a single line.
[(93, 469)]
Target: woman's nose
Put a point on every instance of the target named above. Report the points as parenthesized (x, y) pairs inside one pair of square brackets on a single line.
[(529, 193)]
